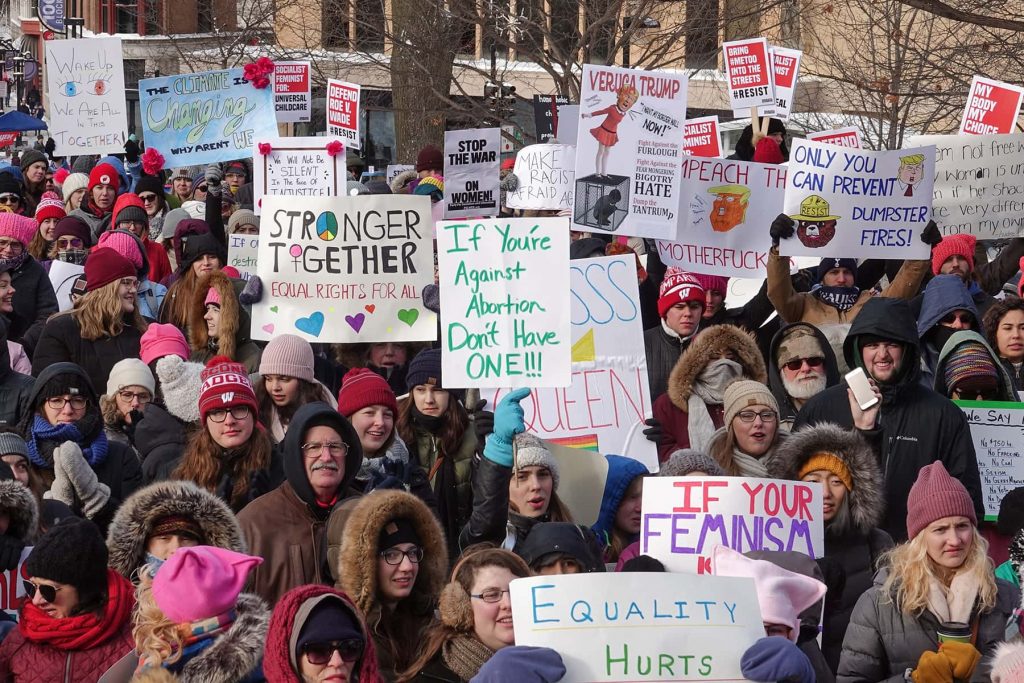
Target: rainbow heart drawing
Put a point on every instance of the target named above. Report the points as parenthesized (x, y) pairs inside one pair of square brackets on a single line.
[(355, 321), (409, 316), (312, 325)]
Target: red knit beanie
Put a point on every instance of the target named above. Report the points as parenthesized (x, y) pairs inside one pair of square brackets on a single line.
[(768, 152), (717, 283), (959, 245), (104, 266), (678, 287), (363, 387), (935, 495), (104, 174), (225, 385), (50, 206)]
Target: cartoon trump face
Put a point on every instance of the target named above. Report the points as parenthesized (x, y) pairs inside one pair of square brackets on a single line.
[(910, 173), (815, 226), (626, 96), (730, 206)]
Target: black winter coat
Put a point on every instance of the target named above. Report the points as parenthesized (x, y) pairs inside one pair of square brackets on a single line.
[(15, 388), (160, 440), (34, 298), (663, 352), (787, 411), (491, 519), (62, 341)]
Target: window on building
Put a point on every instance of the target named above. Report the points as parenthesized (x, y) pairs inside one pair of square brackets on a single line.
[(369, 25), (602, 30), (336, 24), (701, 28), (134, 71), (565, 23), (126, 17), (204, 23)]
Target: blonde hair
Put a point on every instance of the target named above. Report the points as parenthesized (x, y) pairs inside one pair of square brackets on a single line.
[(157, 638), (912, 159), (99, 313), (911, 572)]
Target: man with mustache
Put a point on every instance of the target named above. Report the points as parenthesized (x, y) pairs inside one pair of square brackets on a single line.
[(954, 255), (801, 365), (287, 527)]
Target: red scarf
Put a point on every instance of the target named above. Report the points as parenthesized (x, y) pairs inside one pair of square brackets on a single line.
[(84, 631)]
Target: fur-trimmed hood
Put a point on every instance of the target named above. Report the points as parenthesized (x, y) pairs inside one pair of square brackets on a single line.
[(234, 321), (126, 537), (400, 183), (21, 505), (867, 499), (237, 652), (357, 564), (707, 346)]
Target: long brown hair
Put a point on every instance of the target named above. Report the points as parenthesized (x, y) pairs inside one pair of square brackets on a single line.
[(456, 422), (178, 301), (99, 314), (203, 462), (309, 392), (39, 247)]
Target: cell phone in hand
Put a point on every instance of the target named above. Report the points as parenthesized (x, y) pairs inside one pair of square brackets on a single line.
[(857, 380)]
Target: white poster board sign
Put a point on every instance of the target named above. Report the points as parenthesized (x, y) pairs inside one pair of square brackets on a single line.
[(685, 518), (997, 430), (472, 160), (505, 302), (343, 111), (345, 269), (293, 101), (748, 73), (297, 167), (701, 137), (545, 174), (243, 250), (639, 626), (63, 276)]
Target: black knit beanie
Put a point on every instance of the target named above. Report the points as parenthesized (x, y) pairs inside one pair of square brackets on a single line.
[(72, 552)]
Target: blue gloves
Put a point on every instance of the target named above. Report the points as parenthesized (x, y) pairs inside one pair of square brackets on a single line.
[(776, 659), (509, 420), (521, 664)]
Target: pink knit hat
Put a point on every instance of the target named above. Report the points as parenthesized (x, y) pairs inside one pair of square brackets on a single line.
[(935, 495), (124, 244), (212, 297), (959, 245), (161, 340), (289, 355), (15, 227), (719, 283), (782, 594), (201, 582)]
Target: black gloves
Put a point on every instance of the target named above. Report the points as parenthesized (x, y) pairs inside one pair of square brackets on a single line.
[(10, 552), (394, 476), (483, 421), (782, 228), (654, 433), (931, 235)]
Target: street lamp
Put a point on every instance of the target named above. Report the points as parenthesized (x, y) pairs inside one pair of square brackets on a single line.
[(628, 23)]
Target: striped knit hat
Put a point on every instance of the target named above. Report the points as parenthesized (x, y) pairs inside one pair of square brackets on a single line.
[(50, 206), (969, 366)]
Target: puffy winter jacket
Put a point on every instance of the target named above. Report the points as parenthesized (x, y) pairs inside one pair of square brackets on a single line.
[(22, 661), (34, 299)]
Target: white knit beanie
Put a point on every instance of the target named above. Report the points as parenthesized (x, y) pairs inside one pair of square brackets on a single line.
[(1008, 663), (180, 384), (130, 372), (75, 181), (532, 452)]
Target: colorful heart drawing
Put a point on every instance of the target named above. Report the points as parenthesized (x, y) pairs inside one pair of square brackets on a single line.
[(312, 325), (355, 321), (273, 309), (269, 328), (370, 308), (409, 316)]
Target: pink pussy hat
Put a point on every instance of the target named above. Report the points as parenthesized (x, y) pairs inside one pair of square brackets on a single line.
[(201, 582)]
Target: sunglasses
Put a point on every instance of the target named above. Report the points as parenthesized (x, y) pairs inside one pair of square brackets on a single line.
[(49, 593), (201, 188), (795, 365), (147, 197), (10, 199), (962, 317), (321, 653)]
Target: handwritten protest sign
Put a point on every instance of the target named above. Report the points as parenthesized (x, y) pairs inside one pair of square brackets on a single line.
[(639, 626), (545, 174), (979, 184), (627, 162), (85, 85), (243, 251), (63, 276), (723, 232), (992, 107), (343, 111), (701, 137), (841, 137), (748, 73), (472, 160), (293, 100), (604, 407), (345, 269), (297, 167), (685, 518), (199, 118), (997, 430), (505, 302), (855, 202)]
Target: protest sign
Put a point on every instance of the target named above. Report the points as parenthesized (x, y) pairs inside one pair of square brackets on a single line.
[(701, 137), (505, 302), (627, 164), (992, 107), (8, 139), (841, 137), (583, 474), (639, 626), (63, 276), (748, 73), (604, 407), (785, 69), (297, 167), (293, 100), (199, 118), (242, 253), (859, 203), (979, 184), (685, 518), (547, 115), (997, 430), (723, 232), (472, 160), (12, 586), (394, 170), (85, 85), (343, 111), (545, 174), (345, 269)]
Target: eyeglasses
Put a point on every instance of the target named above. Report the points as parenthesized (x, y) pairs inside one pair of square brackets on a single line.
[(58, 402), (131, 225), (321, 653), (795, 365), (10, 199), (14, 246), (130, 282), (962, 317), (491, 595), (69, 243), (147, 198), (221, 414), (48, 592), (144, 397), (749, 415), (315, 448), (395, 555)]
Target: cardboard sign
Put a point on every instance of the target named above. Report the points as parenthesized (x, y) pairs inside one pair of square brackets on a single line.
[(472, 160), (685, 518), (63, 276), (345, 269), (841, 137), (701, 137), (979, 187), (505, 302), (992, 107), (723, 229), (293, 101), (604, 407), (997, 430), (639, 626), (297, 167), (748, 73), (545, 174), (854, 202), (628, 159), (343, 111), (243, 251), (199, 118), (547, 115), (85, 85)]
